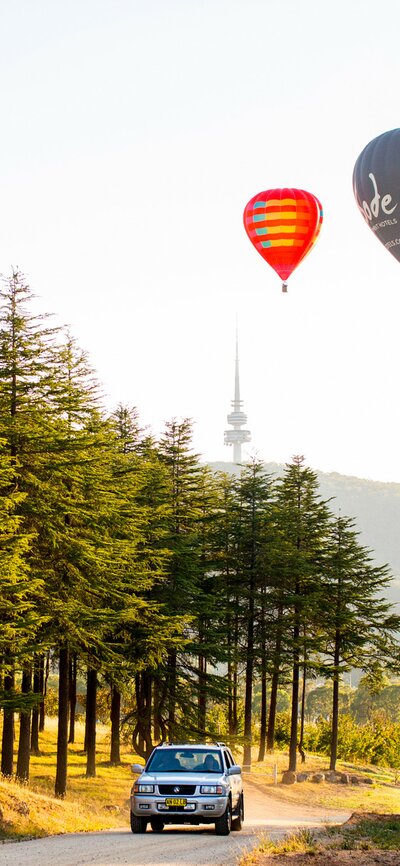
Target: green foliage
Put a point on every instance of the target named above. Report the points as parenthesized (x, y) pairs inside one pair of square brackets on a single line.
[(377, 742), (283, 700), (319, 701), (282, 729), (385, 700), (51, 703)]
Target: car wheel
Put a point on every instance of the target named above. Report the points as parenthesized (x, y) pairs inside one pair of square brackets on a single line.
[(237, 821), (224, 823), (157, 825), (138, 825)]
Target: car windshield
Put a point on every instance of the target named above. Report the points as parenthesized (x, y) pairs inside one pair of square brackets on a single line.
[(184, 760)]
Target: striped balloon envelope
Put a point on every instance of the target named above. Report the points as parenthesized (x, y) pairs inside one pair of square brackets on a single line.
[(283, 225)]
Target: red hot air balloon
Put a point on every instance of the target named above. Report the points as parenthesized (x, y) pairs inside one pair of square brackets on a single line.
[(283, 225)]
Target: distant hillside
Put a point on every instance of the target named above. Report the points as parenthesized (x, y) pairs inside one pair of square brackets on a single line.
[(374, 505)]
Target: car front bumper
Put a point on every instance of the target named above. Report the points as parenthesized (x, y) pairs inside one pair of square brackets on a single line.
[(198, 808)]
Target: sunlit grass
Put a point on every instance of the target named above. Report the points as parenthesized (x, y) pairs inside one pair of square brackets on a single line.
[(382, 796), (362, 833), (90, 804), (366, 832), (300, 842)]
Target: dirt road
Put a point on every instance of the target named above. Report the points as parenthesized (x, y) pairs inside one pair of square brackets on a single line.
[(191, 846)]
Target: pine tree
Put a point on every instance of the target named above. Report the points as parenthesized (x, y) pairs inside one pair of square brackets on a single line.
[(181, 588), (142, 631), (303, 523), (356, 620), (254, 493), (227, 593), (103, 568), (209, 641), (24, 355)]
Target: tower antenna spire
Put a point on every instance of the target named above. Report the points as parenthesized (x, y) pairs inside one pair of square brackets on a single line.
[(237, 418)]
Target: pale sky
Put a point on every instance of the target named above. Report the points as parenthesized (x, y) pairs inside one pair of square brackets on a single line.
[(133, 135)]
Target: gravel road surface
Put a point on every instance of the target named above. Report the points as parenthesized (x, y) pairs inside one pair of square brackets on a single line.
[(190, 846)]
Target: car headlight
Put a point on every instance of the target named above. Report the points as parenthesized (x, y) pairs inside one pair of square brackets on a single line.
[(143, 789), (212, 789)]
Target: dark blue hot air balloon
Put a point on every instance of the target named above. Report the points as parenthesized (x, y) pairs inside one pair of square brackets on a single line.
[(376, 184)]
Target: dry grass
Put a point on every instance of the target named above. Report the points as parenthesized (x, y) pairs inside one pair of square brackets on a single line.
[(365, 840), (90, 804), (301, 842), (382, 796)]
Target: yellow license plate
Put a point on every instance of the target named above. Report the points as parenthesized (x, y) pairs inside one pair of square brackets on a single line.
[(175, 801)]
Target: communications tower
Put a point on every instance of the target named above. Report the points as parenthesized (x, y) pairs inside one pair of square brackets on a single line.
[(237, 418)]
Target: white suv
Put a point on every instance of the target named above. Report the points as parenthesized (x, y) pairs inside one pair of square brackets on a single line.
[(188, 784)]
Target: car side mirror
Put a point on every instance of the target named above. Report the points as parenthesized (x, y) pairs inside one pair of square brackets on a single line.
[(235, 770), (137, 768)]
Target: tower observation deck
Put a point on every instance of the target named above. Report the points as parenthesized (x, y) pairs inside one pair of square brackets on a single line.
[(237, 418)]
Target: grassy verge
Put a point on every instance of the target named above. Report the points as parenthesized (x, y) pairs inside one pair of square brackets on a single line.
[(372, 839), (369, 832), (91, 804), (383, 795)]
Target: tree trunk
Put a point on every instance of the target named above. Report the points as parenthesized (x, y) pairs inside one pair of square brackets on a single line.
[(263, 713), (263, 717), (24, 729), (35, 712), (62, 738), (248, 698), (235, 685), (156, 704), (44, 676), (7, 749), (159, 698), (202, 705), (335, 706), (142, 740), (248, 713), (172, 694), (303, 706), (230, 696), (235, 676), (272, 712), (115, 714), (72, 697), (295, 699), (91, 699), (274, 687)]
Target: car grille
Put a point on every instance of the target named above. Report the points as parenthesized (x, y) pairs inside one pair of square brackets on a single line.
[(183, 790)]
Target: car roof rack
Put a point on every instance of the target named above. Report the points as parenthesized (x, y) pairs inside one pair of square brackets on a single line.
[(192, 743)]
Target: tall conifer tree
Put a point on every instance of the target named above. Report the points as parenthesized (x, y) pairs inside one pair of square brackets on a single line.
[(252, 537), (357, 621), (25, 342), (304, 525)]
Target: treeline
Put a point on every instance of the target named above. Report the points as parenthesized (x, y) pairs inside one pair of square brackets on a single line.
[(369, 727), (177, 587)]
